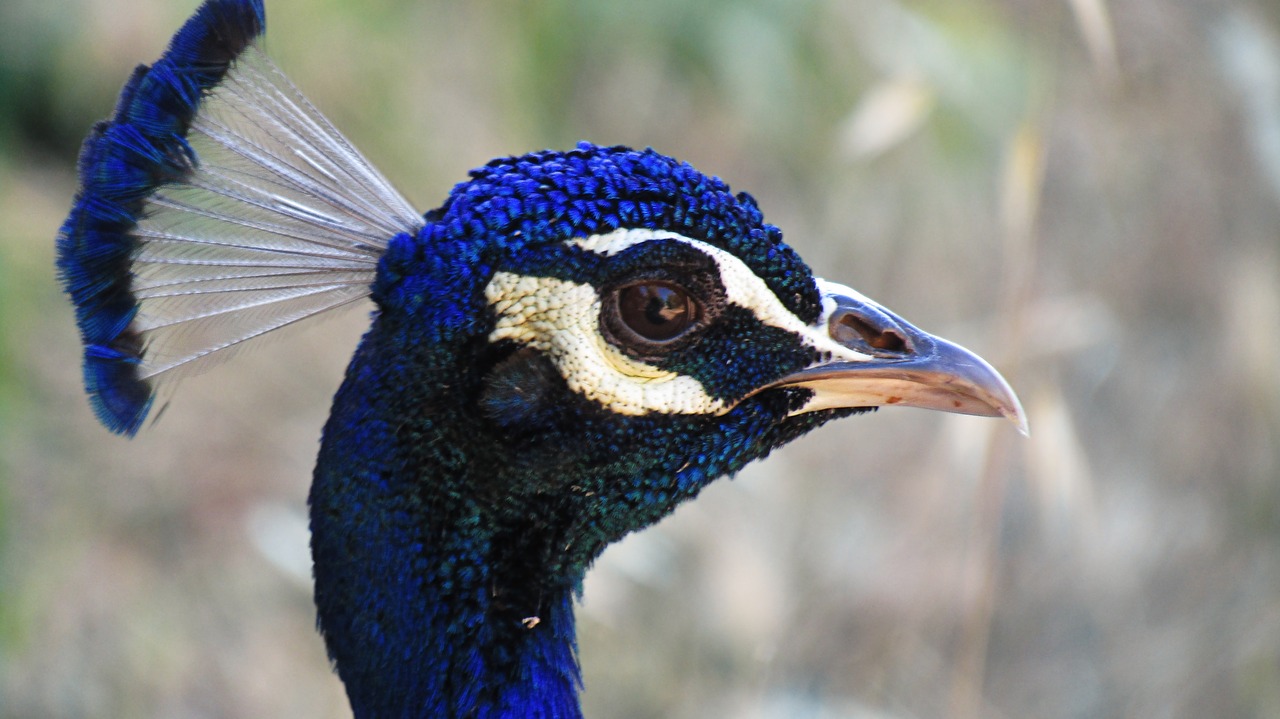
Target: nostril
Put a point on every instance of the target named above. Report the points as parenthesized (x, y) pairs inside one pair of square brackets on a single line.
[(849, 329), (888, 340)]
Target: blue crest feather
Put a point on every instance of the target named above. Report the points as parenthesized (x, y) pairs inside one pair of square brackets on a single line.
[(123, 161), (216, 205)]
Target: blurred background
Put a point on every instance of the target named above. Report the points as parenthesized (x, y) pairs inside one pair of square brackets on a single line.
[(1087, 192)]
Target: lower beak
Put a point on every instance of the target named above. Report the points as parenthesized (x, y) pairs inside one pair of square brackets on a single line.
[(903, 366)]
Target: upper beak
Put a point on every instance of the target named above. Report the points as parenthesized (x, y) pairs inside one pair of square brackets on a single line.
[(904, 366)]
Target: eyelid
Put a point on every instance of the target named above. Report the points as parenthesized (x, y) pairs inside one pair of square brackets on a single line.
[(617, 331), (689, 307)]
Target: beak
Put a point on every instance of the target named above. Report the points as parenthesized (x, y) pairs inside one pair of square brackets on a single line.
[(887, 361)]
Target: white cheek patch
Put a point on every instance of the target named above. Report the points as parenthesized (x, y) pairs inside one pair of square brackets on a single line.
[(562, 319)]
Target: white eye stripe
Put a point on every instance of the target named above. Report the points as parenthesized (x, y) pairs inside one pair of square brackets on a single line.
[(743, 287), (562, 319)]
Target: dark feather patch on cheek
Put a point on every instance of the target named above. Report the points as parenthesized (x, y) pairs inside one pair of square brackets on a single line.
[(522, 391)]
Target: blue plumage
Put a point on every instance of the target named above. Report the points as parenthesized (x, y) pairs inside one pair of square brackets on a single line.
[(566, 349)]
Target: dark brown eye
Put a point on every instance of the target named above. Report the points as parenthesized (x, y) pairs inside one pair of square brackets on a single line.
[(657, 311)]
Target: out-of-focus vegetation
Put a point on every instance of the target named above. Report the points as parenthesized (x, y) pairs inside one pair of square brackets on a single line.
[(1085, 191)]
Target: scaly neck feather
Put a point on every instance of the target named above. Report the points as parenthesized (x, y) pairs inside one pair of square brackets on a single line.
[(432, 602)]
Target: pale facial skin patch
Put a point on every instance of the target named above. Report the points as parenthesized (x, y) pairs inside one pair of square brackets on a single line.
[(562, 319)]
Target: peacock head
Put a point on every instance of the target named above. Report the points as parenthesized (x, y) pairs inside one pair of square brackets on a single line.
[(623, 329)]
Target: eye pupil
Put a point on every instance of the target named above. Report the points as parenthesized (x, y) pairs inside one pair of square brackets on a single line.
[(656, 311)]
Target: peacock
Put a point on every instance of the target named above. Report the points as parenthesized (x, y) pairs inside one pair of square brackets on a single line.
[(567, 348)]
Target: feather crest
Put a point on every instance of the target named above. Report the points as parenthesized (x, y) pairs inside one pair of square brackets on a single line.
[(216, 206)]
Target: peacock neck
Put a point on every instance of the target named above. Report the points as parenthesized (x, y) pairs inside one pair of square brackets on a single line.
[(431, 601)]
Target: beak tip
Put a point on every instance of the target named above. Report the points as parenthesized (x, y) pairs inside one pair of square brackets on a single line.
[(1019, 419), (1006, 403)]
